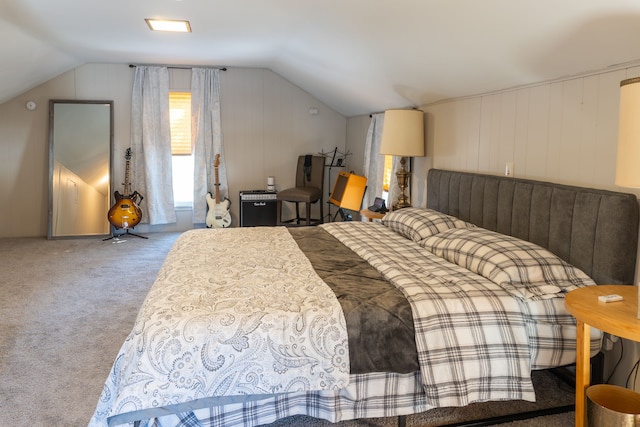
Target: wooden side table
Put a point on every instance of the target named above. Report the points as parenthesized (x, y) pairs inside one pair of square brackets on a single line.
[(371, 215), (616, 318)]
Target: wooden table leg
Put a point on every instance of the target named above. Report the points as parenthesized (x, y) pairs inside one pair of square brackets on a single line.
[(583, 370)]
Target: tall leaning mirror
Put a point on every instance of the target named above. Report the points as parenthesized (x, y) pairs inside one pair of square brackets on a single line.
[(80, 147)]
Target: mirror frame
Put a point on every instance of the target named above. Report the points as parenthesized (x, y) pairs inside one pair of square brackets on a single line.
[(52, 103)]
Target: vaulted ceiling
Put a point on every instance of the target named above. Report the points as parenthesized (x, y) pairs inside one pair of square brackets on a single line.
[(357, 56)]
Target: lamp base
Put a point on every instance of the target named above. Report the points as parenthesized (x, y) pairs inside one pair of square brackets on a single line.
[(401, 204), (403, 181)]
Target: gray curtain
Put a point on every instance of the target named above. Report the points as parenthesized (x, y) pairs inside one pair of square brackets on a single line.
[(206, 136), (373, 161), (151, 144), (374, 165)]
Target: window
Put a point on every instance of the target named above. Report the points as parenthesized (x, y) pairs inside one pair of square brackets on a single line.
[(386, 180), (388, 165), (182, 159)]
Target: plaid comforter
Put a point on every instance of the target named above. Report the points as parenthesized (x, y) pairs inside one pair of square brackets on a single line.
[(472, 336)]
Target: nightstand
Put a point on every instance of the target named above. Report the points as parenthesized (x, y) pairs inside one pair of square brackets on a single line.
[(616, 318), (371, 215)]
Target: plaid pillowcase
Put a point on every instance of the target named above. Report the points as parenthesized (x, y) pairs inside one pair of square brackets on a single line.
[(522, 268), (417, 224)]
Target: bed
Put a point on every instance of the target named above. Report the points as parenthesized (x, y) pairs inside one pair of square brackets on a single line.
[(443, 306)]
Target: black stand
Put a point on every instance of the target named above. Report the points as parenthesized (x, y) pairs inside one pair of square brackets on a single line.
[(116, 236), (338, 160), (344, 215)]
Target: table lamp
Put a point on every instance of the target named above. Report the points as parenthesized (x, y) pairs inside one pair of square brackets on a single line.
[(627, 170), (403, 135)]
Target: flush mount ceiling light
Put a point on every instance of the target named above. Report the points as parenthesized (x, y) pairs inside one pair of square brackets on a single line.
[(169, 25)]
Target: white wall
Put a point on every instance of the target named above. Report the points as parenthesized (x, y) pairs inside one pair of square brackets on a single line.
[(357, 128), (265, 120)]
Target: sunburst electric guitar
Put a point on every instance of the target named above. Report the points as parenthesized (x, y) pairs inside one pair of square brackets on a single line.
[(126, 213), (218, 215)]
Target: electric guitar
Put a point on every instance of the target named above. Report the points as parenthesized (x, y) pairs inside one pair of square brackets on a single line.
[(125, 213), (218, 215)]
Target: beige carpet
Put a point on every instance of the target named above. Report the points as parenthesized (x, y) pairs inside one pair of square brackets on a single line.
[(67, 306)]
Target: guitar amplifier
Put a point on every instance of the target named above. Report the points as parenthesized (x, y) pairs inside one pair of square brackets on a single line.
[(258, 208)]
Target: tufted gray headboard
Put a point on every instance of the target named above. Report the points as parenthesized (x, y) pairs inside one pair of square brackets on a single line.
[(595, 230)]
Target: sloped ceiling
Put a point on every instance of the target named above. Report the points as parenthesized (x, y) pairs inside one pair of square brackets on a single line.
[(357, 56)]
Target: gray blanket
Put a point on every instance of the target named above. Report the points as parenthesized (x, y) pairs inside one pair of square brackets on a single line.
[(378, 316)]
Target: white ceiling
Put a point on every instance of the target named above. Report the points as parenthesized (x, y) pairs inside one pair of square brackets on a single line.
[(357, 56)]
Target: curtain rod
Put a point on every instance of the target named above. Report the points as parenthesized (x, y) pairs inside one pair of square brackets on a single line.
[(182, 67), (381, 112)]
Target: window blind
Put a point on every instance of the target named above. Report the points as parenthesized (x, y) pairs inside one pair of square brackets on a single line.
[(180, 122), (388, 165)]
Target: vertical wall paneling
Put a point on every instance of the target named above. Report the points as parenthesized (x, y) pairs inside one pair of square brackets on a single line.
[(554, 138), (506, 132), (571, 134), (433, 149), (606, 132), (484, 134), (589, 124), (460, 131), (495, 121), (521, 132), (473, 113), (445, 135), (537, 142)]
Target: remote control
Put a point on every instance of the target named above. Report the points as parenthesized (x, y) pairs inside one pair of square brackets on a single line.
[(610, 298)]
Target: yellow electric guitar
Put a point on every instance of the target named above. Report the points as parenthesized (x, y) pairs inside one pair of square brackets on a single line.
[(218, 215), (126, 213)]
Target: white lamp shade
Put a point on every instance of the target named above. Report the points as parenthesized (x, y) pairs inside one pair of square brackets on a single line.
[(628, 163), (403, 133)]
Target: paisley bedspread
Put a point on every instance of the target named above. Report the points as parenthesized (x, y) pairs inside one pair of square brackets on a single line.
[(233, 313)]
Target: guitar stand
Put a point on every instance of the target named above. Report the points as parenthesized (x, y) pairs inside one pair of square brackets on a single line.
[(116, 236)]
